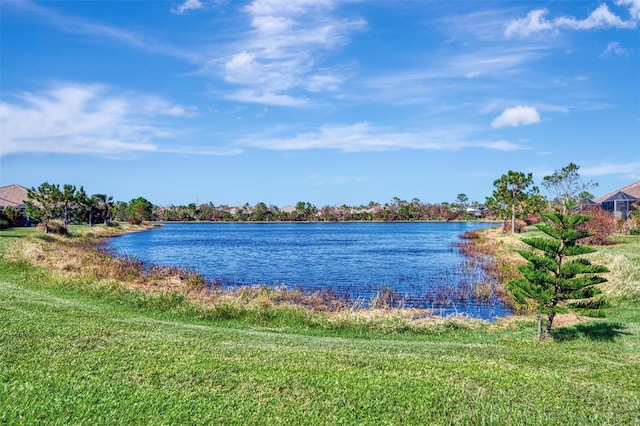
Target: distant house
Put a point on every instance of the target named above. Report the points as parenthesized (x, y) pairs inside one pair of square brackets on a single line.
[(620, 203), (477, 212), (14, 196)]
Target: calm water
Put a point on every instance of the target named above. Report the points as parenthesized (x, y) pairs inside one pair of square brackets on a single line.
[(417, 260)]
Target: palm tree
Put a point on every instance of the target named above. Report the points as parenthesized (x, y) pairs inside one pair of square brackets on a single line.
[(92, 204), (105, 206)]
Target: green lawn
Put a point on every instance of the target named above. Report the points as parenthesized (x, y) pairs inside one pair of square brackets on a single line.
[(70, 357)]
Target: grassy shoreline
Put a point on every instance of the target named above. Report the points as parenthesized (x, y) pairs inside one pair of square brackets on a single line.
[(78, 260), (75, 351)]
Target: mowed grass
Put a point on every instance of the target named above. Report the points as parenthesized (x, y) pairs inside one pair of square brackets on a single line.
[(74, 357)]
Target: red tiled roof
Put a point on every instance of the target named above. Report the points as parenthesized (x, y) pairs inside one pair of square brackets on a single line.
[(12, 195)]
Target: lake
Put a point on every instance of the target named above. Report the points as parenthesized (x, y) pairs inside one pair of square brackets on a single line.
[(419, 262)]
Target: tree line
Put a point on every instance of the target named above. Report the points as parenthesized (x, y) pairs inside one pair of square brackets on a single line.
[(395, 210), (515, 199), (68, 204)]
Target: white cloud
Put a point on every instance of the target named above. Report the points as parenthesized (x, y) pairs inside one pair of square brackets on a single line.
[(534, 22), (490, 62), (601, 17), (199, 150), (259, 97), (84, 119), (516, 116), (503, 146), (186, 6), (241, 68), (630, 169), (467, 74), (634, 7), (364, 136), (279, 54), (614, 48), (323, 82)]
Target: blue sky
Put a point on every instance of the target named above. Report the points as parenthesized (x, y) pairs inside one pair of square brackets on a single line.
[(327, 101)]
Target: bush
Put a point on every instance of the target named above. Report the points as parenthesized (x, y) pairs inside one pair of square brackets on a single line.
[(632, 224), (13, 215), (519, 225), (602, 224), (4, 224), (55, 227)]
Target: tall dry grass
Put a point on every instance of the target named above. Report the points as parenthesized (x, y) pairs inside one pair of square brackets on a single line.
[(492, 251), (623, 280)]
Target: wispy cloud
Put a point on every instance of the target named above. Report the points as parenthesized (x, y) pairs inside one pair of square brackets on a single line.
[(252, 96), (470, 73), (367, 137), (90, 119), (488, 62), (481, 62), (78, 25), (615, 49), (277, 56), (516, 116), (628, 169), (187, 6), (600, 18)]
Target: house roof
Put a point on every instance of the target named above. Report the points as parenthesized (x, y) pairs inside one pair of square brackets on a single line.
[(620, 196), (632, 189), (12, 195)]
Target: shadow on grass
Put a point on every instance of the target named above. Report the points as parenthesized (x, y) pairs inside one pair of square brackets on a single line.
[(2, 235), (602, 331), (6, 239)]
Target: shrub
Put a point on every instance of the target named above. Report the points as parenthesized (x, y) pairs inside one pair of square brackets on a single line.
[(57, 227), (4, 224), (632, 224), (520, 225), (12, 215), (601, 224)]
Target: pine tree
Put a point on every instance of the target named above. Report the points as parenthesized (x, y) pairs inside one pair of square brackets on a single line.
[(550, 279), (45, 203), (514, 196)]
